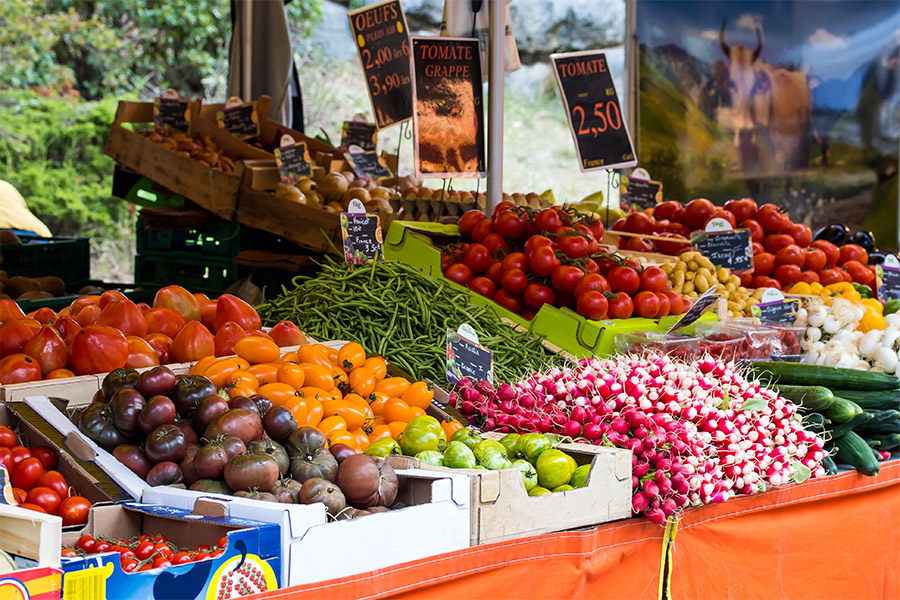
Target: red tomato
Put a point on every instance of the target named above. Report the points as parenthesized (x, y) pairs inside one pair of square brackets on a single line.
[(621, 307), (636, 244), (624, 279), (790, 255), (697, 212), (760, 281), (181, 558), (44, 497), (222, 543), (756, 231), (639, 222), (832, 253), (19, 368), (535, 242), (18, 454), (591, 281), (68, 328), (548, 220), (459, 273), (68, 552), (509, 225), (7, 437), (772, 219), (193, 343), (86, 543), (543, 260), (646, 305), (746, 278), (88, 315), (129, 564), (101, 547), (813, 259), (742, 209), (285, 333), (143, 550), (496, 245), (140, 354), (26, 474), (98, 349), (14, 333), (6, 458), (809, 277), (483, 286), (593, 305), (48, 348), (501, 208), (124, 316), (9, 310), (776, 241), (230, 308), (178, 298), (801, 233), (565, 278), (595, 226), (164, 320), (478, 258), (663, 305), (590, 266), (109, 297), (859, 272), (495, 272), (537, 295), (468, 221), (162, 345), (679, 228), (510, 302), (163, 549), (665, 210), (757, 248), (850, 252), (161, 562), (676, 304), (19, 495), (574, 246), (787, 275), (722, 214), (482, 229), (653, 279), (56, 482), (515, 260), (226, 337), (829, 276), (675, 247), (208, 315), (46, 455)]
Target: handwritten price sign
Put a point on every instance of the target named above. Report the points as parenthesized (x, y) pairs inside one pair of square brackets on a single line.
[(592, 109)]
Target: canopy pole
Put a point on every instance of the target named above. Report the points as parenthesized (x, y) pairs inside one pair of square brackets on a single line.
[(247, 52), (496, 71)]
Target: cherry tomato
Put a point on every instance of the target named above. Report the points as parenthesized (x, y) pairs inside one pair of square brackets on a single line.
[(46, 455), (790, 255), (536, 295), (101, 546), (814, 259), (621, 307), (756, 231), (663, 305), (125, 552), (565, 278), (459, 273), (216, 553), (515, 260), (514, 281), (787, 275), (161, 562), (129, 564), (163, 549), (772, 219), (482, 229), (764, 264), (542, 261), (68, 552), (74, 510), (801, 233), (653, 279), (624, 279), (593, 305), (511, 302), (509, 225), (222, 543), (483, 286), (7, 437), (201, 556), (832, 253), (646, 305), (26, 474), (742, 209), (144, 549), (850, 252), (86, 543), (181, 558)]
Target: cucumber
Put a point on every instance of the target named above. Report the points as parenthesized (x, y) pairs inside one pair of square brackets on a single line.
[(890, 441), (854, 451), (851, 425), (809, 397), (867, 400), (842, 411), (829, 465), (830, 377), (881, 428)]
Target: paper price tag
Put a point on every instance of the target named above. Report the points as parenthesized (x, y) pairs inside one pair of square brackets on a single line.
[(241, 121), (775, 308)]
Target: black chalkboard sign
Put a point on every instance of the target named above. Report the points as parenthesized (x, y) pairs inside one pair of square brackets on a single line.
[(729, 249), (708, 298), (643, 193), (890, 282), (467, 360), (783, 311), (382, 40), (368, 164), (448, 125), (356, 136), (592, 109), (171, 114), (362, 237), (240, 121), (293, 162)]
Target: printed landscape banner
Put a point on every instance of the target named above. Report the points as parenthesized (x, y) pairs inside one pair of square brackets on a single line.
[(796, 103)]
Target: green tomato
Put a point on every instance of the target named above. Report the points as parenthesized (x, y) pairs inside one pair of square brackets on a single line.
[(383, 447), (563, 488), (486, 447), (529, 475), (431, 457), (469, 437), (422, 433), (572, 462), (530, 446), (459, 456), (555, 439), (580, 475), (539, 491), (479, 468), (509, 442), (554, 468)]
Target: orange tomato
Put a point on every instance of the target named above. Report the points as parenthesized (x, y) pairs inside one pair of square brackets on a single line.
[(378, 366), (261, 334), (243, 378), (330, 353), (335, 394), (314, 392), (379, 432), (316, 376), (362, 439), (392, 387), (241, 361), (311, 354), (377, 404), (257, 350), (59, 374), (355, 416), (314, 412), (201, 365), (341, 381), (396, 428), (450, 427), (265, 372), (279, 393), (290, 357), (415, 411), (332, 423), (291, 374), (239, 390), (362, 381), (418, 394), (342, 437), (298, 409), (396, 409), (351, 356), (220, 371), (357, 400)]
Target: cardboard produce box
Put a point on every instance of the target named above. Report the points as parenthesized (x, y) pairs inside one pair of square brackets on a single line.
[(32, 539), (501, 509), (251, 561)]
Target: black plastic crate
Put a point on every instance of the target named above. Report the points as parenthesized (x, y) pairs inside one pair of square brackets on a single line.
[(68, 258), (215, 238), (134, 293), (197, 273)]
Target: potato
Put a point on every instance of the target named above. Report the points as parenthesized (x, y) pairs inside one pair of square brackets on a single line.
[(704, 262), (701, 283), (18, 285), (724, 274), (35, 295), (52, 284), (693, 265)]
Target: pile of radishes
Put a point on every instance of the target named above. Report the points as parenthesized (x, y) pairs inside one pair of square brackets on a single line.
[(699, 431)]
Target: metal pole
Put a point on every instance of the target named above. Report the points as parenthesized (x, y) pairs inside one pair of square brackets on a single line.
[(247, 52), (496, 71)]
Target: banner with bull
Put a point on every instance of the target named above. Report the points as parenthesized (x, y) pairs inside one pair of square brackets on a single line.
[(796, 103)]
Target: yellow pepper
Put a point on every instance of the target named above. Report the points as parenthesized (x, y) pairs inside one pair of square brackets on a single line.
[(816, 287), (874, 304), (802, 288), (843, 290), (872, 319)]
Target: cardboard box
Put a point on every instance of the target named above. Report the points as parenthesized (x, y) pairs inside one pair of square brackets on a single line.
[(501, 509), (33, 541), (210, 188), (252, 557), (435, 521)]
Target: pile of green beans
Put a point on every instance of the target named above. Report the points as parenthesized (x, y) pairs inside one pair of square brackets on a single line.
[(400, 313)]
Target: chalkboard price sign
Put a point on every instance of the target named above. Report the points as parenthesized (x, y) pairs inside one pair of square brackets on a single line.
[(382, 40), (729, 249), (172, 114), (368, 164), (592, 109), (468, 360), (293, 162), (357, 137), (361, 233), (240, 121), (890, 278), (783, 311), (708, 298), (642, 193)]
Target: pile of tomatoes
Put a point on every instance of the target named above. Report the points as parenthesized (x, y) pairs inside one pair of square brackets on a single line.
[(523, 260), (36, 485), (145, 552), (98, 334), (784, 252)]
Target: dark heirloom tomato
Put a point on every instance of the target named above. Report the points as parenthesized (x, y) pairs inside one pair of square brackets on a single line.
[(118, 379), (189, 390), (273, 449), (209, 461), (233, 445), (190, 436), (263, 404), (126, 405), (368, 481), (243, 402), (287, 491), (242, 423), (96, 422), (324, 491), (309, 455), (208, 410), (187, 464), (279, 423), (158, 410), (252, 472), (165, 473), (156, 381), (166, 443), (134, 458), (341, 452), (212, 486)]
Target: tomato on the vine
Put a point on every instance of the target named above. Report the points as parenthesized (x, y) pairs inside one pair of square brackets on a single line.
[(496, 245), (756, 231), (509, 225), (621, 306), (574, 246), (477, 258), (565, 277), (535, 242), (593, 305), (483, 286), (646, 304), (86, 543), (542, 261), (181, 558), (459, 273), (624, 279), (515, 260), (591, 281), (482, 229), (536, 295), (129, 564), (222, 543), (548, 220), (653, 279), (514, 281), (590, 266), (468, 221), (144, 549), (502, 208), (161, 562), (511, 302), (494, 272), (101, 546), (790, 255)]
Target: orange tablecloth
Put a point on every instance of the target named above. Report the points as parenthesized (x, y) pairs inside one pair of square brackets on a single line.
[(837, 537)]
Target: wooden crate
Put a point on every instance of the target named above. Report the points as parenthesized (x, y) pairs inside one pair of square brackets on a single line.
[(308, 227), (501, 509), (210, 188)]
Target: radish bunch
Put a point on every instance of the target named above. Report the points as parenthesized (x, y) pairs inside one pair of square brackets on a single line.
[(699, 431)]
